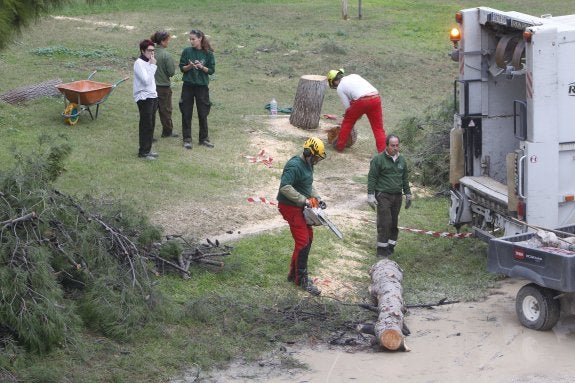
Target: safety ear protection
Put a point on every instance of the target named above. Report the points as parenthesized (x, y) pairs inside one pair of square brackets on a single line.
[(306, 152)]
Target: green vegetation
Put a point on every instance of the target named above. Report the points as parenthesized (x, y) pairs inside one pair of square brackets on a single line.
[(246, 307)]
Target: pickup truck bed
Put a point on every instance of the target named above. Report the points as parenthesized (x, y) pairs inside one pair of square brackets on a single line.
[(546, 266)]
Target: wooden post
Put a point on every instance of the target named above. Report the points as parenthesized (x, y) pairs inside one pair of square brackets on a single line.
[(359, 14), (308, 101), (386, 289), (344, 13)]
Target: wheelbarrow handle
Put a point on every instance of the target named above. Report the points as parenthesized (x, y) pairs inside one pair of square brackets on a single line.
[(121, 81)]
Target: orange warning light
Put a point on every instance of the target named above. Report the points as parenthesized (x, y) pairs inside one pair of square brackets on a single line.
[(454, 35)]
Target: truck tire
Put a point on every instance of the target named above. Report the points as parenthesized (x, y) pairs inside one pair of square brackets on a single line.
[(536, 308)]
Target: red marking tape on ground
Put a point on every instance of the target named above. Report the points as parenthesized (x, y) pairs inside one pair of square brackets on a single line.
[(437, 233), (261, 200), (261, 157)]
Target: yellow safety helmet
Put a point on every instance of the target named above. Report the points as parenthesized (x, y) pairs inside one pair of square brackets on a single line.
[(334, 74), (314, 146)]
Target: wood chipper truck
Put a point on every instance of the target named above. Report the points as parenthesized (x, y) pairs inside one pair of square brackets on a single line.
[(512, 148)]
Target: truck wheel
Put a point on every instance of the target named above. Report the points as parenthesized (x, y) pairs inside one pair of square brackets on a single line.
[(536, 308)]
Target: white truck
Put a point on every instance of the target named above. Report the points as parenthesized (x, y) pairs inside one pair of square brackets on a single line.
[(512, 147)]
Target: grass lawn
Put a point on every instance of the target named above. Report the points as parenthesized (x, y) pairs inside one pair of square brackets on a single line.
[(262, 47)]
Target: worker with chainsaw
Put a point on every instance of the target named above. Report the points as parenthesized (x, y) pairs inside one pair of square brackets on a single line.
[(359, 97), (387, 180), (296, 191)]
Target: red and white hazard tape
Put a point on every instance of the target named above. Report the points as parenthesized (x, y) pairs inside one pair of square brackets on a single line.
[(437, 233), (265, 201), (261, 157), (262, 200)]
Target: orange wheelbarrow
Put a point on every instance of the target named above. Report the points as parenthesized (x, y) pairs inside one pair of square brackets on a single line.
[(80, 95)]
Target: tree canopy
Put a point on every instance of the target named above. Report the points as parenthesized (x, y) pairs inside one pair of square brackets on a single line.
[(15, 15)]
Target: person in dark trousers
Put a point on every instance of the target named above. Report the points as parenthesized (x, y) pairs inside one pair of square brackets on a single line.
[(358, 97), (146, 97), (166, 70), (387, 179), (295, 192), (197, 62)]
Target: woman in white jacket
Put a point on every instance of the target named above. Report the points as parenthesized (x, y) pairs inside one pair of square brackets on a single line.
[(146, 97)]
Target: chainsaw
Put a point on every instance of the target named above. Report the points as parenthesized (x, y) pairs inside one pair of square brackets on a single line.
[(315, 216)]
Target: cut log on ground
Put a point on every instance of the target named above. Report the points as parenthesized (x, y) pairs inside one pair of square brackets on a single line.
[(333, 134), (308, 102), (387, 291), (31, 92)]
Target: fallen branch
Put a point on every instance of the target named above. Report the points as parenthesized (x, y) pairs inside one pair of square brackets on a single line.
[(369, 307), (26, 217), (211, 262), (172, 264), (441, 302)]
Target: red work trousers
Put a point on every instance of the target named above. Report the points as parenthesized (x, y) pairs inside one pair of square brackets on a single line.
[(371, 106), (302, 235)]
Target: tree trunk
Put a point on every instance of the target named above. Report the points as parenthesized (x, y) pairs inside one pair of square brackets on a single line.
[(386, 289), (30, 92), (308, 102)]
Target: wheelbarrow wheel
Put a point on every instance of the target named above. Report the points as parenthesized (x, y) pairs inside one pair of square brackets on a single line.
[(71, 113)]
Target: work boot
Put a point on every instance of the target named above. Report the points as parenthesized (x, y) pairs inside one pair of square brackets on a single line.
[(306, 284), (383, 252)]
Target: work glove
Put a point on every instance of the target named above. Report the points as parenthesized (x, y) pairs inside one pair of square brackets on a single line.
[(312, 202), (408, 199), (372, 201)]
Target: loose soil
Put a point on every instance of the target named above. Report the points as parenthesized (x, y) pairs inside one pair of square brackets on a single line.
[(477, 341)]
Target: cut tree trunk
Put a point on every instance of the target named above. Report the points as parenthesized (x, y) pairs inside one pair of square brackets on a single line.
[(387, 291), (30, 92), (308, 101)]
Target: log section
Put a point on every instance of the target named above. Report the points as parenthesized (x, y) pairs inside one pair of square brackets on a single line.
[(387, 291), (333, 134)]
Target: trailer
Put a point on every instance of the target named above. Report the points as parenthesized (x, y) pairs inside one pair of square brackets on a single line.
[(550, 271), (512, 145)]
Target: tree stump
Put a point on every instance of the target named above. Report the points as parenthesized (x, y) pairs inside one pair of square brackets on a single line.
[(308, 101), (386, 289)]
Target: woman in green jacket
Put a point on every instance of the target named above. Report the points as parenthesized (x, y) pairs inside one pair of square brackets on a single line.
[(196, 63)]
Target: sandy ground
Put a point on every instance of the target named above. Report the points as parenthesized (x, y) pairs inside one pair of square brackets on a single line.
[(478, 342)]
